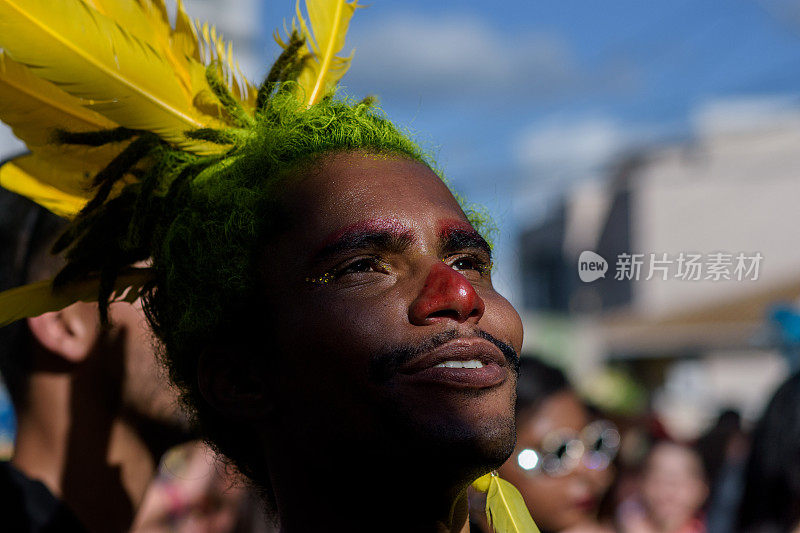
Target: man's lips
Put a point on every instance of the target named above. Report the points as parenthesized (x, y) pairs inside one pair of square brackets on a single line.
[(492, 371)]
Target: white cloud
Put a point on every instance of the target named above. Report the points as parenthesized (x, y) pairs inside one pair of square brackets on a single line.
[(582, 144), (745, 114), (450, 56)]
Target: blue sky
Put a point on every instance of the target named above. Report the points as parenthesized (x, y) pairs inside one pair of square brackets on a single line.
[(522, 99)]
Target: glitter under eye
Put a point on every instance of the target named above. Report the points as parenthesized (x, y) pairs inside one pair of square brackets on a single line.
[(321, 280)]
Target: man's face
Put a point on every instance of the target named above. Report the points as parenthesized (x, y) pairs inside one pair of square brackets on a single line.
[(380, 289)]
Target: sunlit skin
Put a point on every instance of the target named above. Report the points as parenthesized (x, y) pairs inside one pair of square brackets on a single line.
[(556, 503), (377, 276)]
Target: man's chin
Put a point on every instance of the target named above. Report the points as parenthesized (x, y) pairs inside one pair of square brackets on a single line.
[(458, 444), (485, 423), (468, 426), (497, 443), (486, 446)]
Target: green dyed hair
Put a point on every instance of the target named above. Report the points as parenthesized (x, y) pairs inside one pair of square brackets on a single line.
[(203, 220)]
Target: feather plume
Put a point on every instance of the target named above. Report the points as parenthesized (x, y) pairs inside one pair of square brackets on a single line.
[(149, 22), (92, 57), (38, 298), (184, 36), (324, 35), (187, 52), (215, 51), (35, 109), (60, 185), (505, 508), (23, 181)]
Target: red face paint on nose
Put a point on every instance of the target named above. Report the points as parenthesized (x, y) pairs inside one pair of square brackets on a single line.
[(446, 295)]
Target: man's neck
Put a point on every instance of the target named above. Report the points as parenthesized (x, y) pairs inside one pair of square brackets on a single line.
[(86, 454), (368, 495), (364, 507)]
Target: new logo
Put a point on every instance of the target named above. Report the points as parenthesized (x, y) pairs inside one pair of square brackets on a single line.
[(591, 266)]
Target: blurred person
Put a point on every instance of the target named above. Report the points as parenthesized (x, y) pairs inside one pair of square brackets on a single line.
[(672, 493), (724, 450), (193, 493), (562, 460), (771, 499), (722, 440), (93, 412)]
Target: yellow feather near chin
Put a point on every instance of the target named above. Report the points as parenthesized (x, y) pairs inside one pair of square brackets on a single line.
[(505, 507)]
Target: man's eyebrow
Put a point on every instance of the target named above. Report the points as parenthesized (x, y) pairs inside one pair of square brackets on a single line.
[(460, 238), (365, 235)]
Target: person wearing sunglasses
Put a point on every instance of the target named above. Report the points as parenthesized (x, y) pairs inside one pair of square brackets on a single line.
[(562, 460)]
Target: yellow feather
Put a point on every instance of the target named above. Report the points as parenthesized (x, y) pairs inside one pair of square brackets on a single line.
[(35, 108), (181, 46), (93, 57), (324, 34), (149, 22), (38, 298), (505, 508), (16, 179), (214, 50), (50, 167), (184, 37)]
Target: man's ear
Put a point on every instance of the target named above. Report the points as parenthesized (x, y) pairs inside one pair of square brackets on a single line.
[(70, 333), (233, 384)]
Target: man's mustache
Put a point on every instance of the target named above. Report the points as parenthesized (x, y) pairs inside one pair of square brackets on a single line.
[(384, 366)]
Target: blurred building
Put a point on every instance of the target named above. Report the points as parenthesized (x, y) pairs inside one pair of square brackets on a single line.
[(699, 344)]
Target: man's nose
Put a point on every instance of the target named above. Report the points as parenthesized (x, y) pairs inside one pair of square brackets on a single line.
[(446, 295)]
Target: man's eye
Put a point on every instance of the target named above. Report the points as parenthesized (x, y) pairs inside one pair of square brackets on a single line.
[(367, 264), (469, 262)]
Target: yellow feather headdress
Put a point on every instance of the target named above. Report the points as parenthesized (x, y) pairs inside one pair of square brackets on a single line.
[(98, 65)]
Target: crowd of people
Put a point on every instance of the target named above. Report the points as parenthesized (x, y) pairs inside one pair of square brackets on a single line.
[(577, 475)]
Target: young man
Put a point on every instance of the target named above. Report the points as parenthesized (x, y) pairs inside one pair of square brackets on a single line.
[(324, 302), (94, 414)]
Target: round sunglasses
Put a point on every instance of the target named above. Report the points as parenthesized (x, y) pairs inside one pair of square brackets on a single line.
[(562, 450)]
